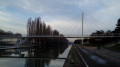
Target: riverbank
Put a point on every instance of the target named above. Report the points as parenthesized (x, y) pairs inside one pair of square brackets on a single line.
[(72, 59)]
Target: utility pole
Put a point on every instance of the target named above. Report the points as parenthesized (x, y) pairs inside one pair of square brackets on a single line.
[(82, 27)]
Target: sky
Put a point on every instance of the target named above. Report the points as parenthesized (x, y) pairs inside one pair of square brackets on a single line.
[(63, 15)]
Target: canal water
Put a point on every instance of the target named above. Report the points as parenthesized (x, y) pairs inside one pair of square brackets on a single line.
[(35, 57)]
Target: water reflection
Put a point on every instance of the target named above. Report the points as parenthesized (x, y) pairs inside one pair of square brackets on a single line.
[(40, 56), (47, 53)]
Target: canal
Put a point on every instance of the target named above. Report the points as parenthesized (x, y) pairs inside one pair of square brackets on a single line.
[(35, 56)]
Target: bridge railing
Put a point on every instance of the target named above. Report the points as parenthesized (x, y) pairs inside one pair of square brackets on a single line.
[(9, 36), (67, 36)]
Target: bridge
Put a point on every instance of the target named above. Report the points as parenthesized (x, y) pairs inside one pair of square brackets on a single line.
[(77, 28), (39, 36)]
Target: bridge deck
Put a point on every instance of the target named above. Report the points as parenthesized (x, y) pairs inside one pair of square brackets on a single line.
[(58, 36)]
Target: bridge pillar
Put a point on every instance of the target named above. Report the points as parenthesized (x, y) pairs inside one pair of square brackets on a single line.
[(82, 28)]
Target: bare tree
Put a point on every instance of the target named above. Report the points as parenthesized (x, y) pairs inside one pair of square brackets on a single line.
[(48, 30), (55, 33), (44, 28), (28, 26)]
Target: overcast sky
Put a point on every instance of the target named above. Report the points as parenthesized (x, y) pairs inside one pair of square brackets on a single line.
[(63, 15)]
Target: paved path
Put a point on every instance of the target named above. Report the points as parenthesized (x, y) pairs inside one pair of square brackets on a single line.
[(111, 56), (93, 60)]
